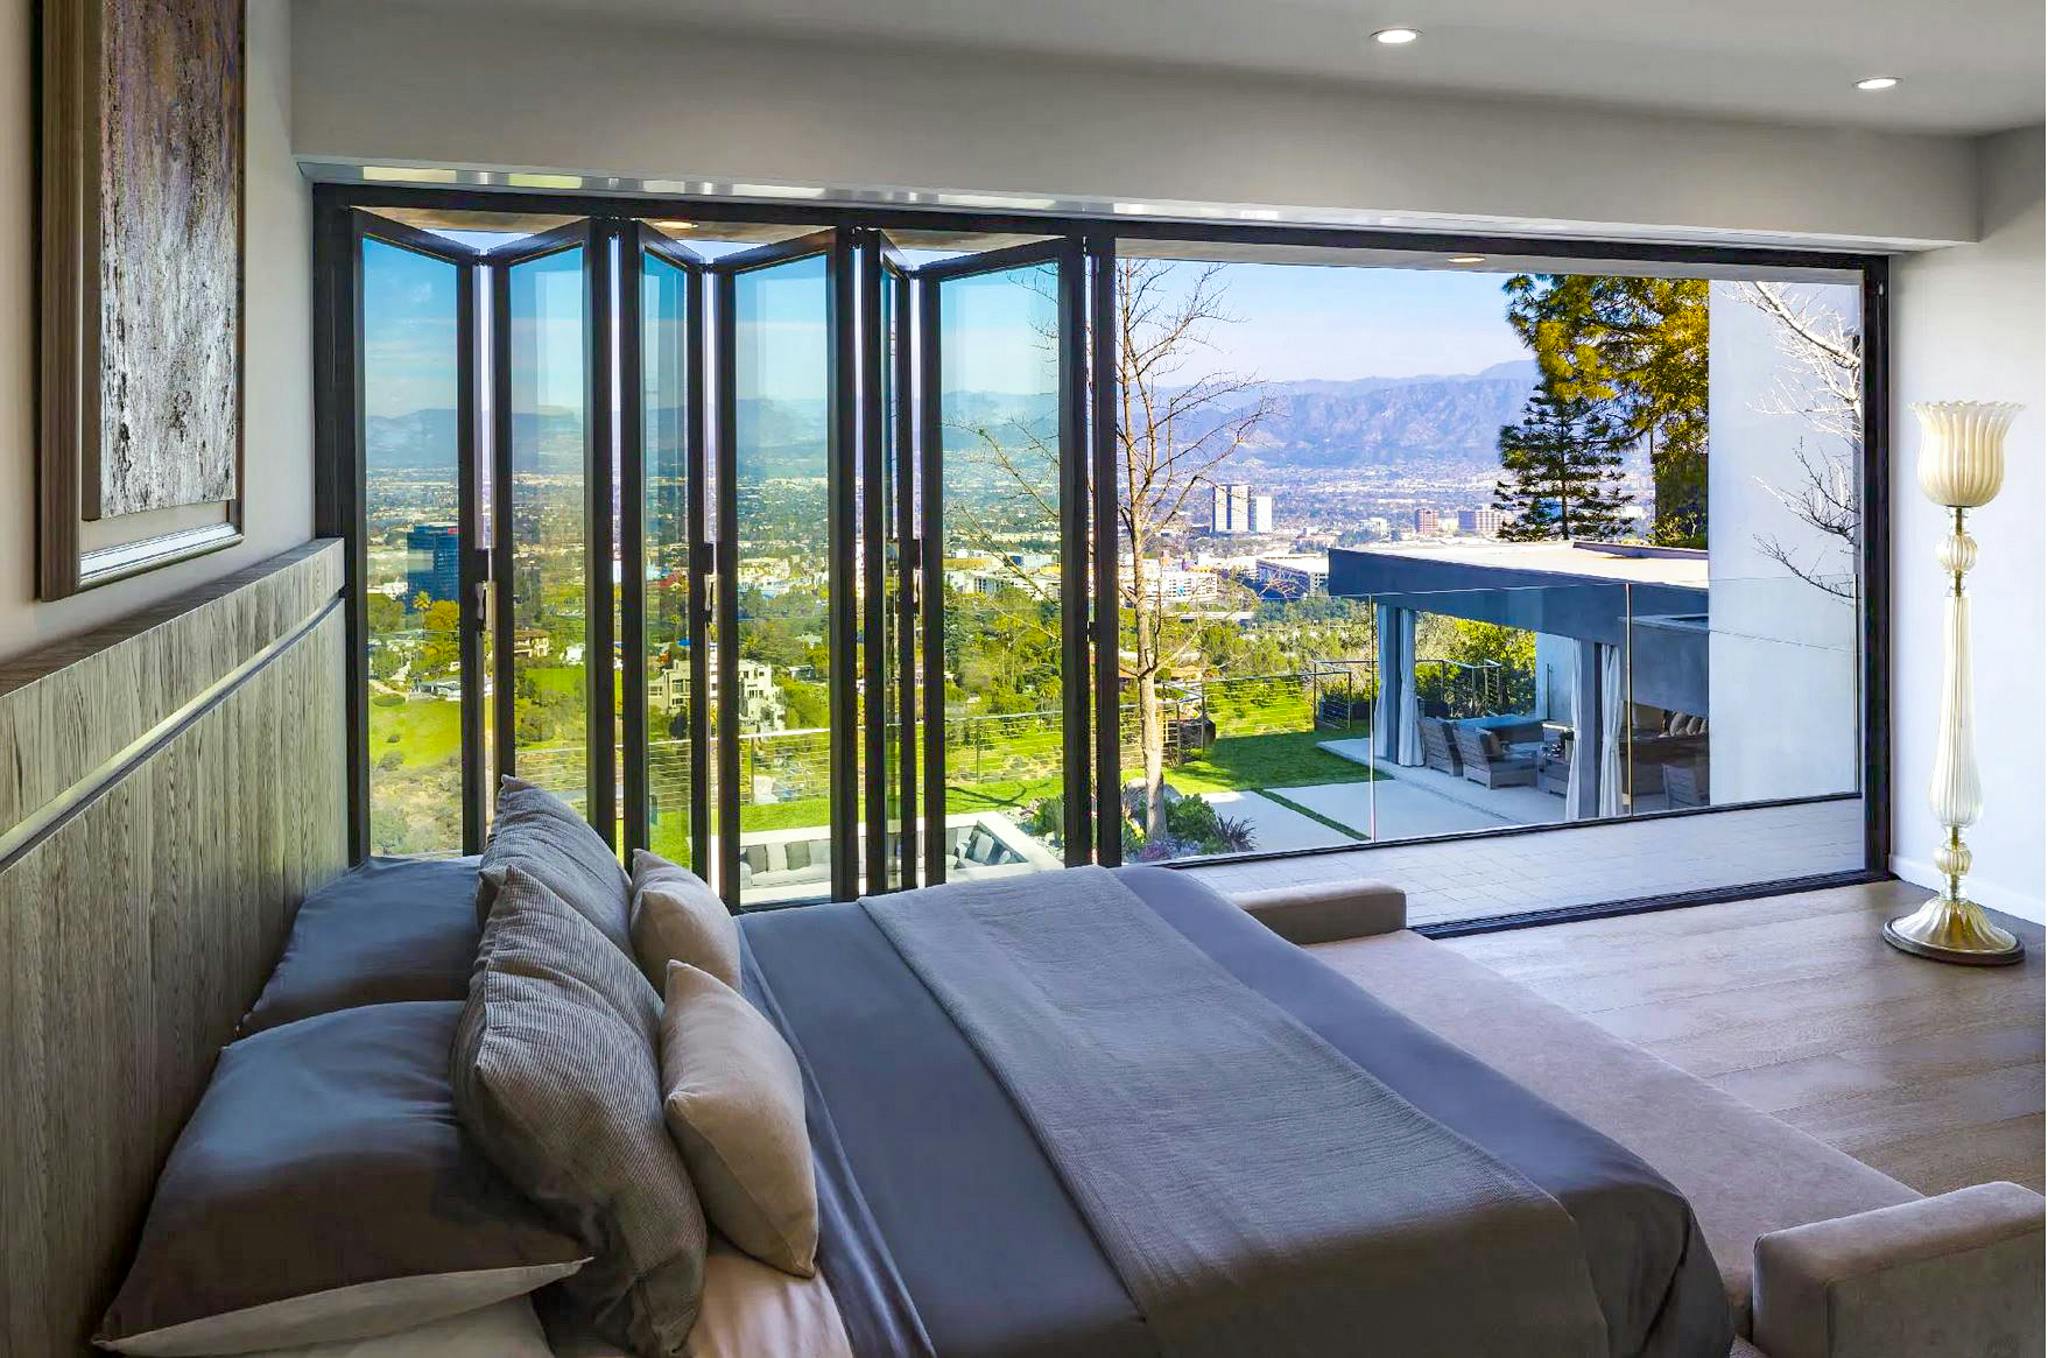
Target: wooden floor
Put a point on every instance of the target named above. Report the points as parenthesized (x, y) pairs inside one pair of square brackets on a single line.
[(1931, 1073)]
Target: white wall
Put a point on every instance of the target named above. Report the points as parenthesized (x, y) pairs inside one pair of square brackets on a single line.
[(278, 343), (1782, 672), (378, 82), (1968, 325)]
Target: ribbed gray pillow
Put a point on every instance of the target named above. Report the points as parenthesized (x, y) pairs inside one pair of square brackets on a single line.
[(677, 917), (555, 1077), (539, 832)]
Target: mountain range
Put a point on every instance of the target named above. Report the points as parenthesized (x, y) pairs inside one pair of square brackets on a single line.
[(1445, 423)]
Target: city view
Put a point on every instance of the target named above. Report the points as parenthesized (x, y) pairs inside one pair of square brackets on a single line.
[(1272, 418)]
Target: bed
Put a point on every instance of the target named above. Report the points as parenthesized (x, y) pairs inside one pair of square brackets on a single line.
[(952, 1227)]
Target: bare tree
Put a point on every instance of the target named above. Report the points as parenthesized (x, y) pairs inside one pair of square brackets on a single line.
[(1824, 387), (1175, 427)]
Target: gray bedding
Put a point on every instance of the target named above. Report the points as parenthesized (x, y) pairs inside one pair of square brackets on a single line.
[(951, 1228), (1255, 1190)]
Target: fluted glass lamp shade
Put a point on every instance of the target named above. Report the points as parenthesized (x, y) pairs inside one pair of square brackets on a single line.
[(1962, 451)]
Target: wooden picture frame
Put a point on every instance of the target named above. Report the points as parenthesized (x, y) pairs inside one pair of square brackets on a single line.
[(142, 307)]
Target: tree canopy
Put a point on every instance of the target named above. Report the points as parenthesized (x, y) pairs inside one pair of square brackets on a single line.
[(1636, 350)]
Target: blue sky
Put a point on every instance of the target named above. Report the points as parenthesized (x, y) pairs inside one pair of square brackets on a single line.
[(1294, 322)]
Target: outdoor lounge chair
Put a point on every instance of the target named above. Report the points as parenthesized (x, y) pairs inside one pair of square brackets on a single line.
[(1486, 762), (1437, 750)]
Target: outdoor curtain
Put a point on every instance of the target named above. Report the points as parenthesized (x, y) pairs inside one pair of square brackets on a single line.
[(1396, 727), (1585, 722), (1408, 752), (1613, 728)]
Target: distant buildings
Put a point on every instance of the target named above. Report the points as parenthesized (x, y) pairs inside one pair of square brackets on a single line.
[(1484, 521), (433, 562), (1291, 577), (1235, 509), (1176, 583)]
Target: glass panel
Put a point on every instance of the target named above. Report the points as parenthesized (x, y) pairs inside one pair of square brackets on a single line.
[(891, 692), (413, 514), (549, 596), (664, 355), (781, 397), (999, 521)]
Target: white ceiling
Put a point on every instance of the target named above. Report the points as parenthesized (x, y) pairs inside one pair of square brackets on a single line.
[(1966, 65)]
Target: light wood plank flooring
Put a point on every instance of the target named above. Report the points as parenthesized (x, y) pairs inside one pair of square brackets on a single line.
[(1931, 1073)]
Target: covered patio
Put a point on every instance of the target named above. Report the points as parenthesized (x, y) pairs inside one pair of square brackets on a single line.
[(1620, 688)]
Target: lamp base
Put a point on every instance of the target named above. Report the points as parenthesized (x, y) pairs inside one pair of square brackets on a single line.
[(1953, 930)]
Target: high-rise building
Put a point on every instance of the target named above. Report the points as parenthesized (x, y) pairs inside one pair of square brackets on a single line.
[(1234, 509), (433, 562), (1484, 521), (1425, 519)]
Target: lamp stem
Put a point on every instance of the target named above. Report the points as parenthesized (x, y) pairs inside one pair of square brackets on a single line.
[(1952, 927)]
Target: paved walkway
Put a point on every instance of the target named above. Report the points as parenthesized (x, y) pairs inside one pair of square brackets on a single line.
[(1581, 865), (1275, 828)]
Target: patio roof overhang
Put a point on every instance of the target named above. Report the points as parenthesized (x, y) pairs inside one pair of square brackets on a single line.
[(1663, 624)]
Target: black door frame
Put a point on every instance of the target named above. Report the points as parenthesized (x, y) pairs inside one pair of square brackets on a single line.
[(643, 244), (593, 237), (474, 569), (1077, 764), (836, 248)]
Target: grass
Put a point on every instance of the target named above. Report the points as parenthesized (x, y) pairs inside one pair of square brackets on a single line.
[(429, 730), (1318, 817), (1255, 763)]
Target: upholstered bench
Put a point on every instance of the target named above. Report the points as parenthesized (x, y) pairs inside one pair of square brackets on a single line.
[(1822, 1256)]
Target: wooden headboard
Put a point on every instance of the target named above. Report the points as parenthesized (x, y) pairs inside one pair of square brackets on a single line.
[(170, 787)]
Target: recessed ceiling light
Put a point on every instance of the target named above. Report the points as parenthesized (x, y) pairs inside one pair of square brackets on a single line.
[(1877, 82), (1395, 37), (1468, 259)]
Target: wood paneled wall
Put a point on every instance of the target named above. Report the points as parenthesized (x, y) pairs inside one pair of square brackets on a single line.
[(170, 788)]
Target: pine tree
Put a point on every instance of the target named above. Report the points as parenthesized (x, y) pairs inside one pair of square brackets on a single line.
[(1563, 465)]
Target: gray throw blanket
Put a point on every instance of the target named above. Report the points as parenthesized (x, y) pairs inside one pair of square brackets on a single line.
[(1255, 1190)]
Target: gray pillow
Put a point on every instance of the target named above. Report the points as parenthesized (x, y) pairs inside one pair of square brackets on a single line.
[(678, 918), (390, 929), (554, 1072), (323, 1191), (735, 1104), (538, 831)]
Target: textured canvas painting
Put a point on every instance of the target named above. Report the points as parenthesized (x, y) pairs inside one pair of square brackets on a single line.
[(170, 229)]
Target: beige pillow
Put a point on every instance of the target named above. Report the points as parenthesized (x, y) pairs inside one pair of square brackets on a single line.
[(678, 918), (734, 1099)]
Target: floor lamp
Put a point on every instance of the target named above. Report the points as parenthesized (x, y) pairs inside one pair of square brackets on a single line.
[(1962, 463)]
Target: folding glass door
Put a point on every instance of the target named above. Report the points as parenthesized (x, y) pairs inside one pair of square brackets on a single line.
[(418, 552), (484, 503), (783, 688), (991, 546), (769, 557)]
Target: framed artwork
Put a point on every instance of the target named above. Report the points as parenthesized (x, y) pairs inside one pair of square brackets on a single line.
[(141, 256)]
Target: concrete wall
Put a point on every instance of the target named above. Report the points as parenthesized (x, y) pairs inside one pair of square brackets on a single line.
[(278, 342), (378, 82), (1968, 326), (1782, 704)]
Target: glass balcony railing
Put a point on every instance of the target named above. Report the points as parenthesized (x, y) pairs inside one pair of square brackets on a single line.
[(1489, 709)]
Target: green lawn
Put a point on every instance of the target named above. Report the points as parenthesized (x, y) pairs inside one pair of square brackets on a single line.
[(428, 730), (1288, 759)]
